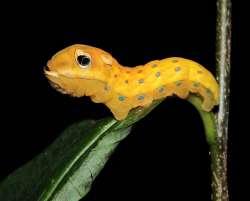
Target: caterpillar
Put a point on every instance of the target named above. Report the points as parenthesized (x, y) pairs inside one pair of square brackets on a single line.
[(82, 70)]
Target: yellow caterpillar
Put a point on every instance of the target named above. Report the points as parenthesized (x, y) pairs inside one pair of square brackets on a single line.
[(81, 70)]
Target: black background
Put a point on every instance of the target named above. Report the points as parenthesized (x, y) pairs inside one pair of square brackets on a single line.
[(166, 156)]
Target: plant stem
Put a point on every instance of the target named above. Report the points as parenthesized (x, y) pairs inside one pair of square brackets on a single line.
[(216, 129), (223, 63), (209, 122)]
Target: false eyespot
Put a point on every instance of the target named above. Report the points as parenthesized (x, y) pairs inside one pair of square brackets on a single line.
[(83, 59)]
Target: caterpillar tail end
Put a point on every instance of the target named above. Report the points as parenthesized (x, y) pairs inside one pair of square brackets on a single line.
[(208, 104)]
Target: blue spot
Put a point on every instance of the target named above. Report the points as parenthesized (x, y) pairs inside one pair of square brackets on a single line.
[(141, 81), (178, 83), (208, 91), (106, 88), (140, 97), (158, 74), (196, 84), (177, 69), (154, 65), (121, 98), (161, 89)]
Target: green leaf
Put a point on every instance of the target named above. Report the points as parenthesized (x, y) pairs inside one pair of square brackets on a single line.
[(67, 168)]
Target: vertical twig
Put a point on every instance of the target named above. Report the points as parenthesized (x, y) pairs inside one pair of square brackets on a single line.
[(223, 53)]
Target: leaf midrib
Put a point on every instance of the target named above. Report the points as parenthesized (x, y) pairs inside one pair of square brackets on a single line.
[(46, 195)]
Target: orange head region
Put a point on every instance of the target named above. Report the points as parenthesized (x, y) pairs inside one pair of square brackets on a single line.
[(78, 69)]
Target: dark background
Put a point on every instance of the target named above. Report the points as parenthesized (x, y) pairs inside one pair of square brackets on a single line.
[(166, 156)]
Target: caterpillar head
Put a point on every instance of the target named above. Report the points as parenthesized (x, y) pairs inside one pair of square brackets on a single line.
[(79, 65)]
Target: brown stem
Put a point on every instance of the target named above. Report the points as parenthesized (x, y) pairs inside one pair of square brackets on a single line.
[(223, 53)]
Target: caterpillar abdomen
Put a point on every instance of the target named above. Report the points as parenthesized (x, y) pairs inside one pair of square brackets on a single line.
[(159, 79)]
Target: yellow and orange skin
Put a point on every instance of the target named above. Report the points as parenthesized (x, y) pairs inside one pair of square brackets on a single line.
[(123, 88)]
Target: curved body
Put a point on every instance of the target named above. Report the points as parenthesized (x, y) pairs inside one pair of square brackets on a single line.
[(122, 88)]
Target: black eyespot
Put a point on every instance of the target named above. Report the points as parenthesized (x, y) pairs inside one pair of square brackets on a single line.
[(83, 60)]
